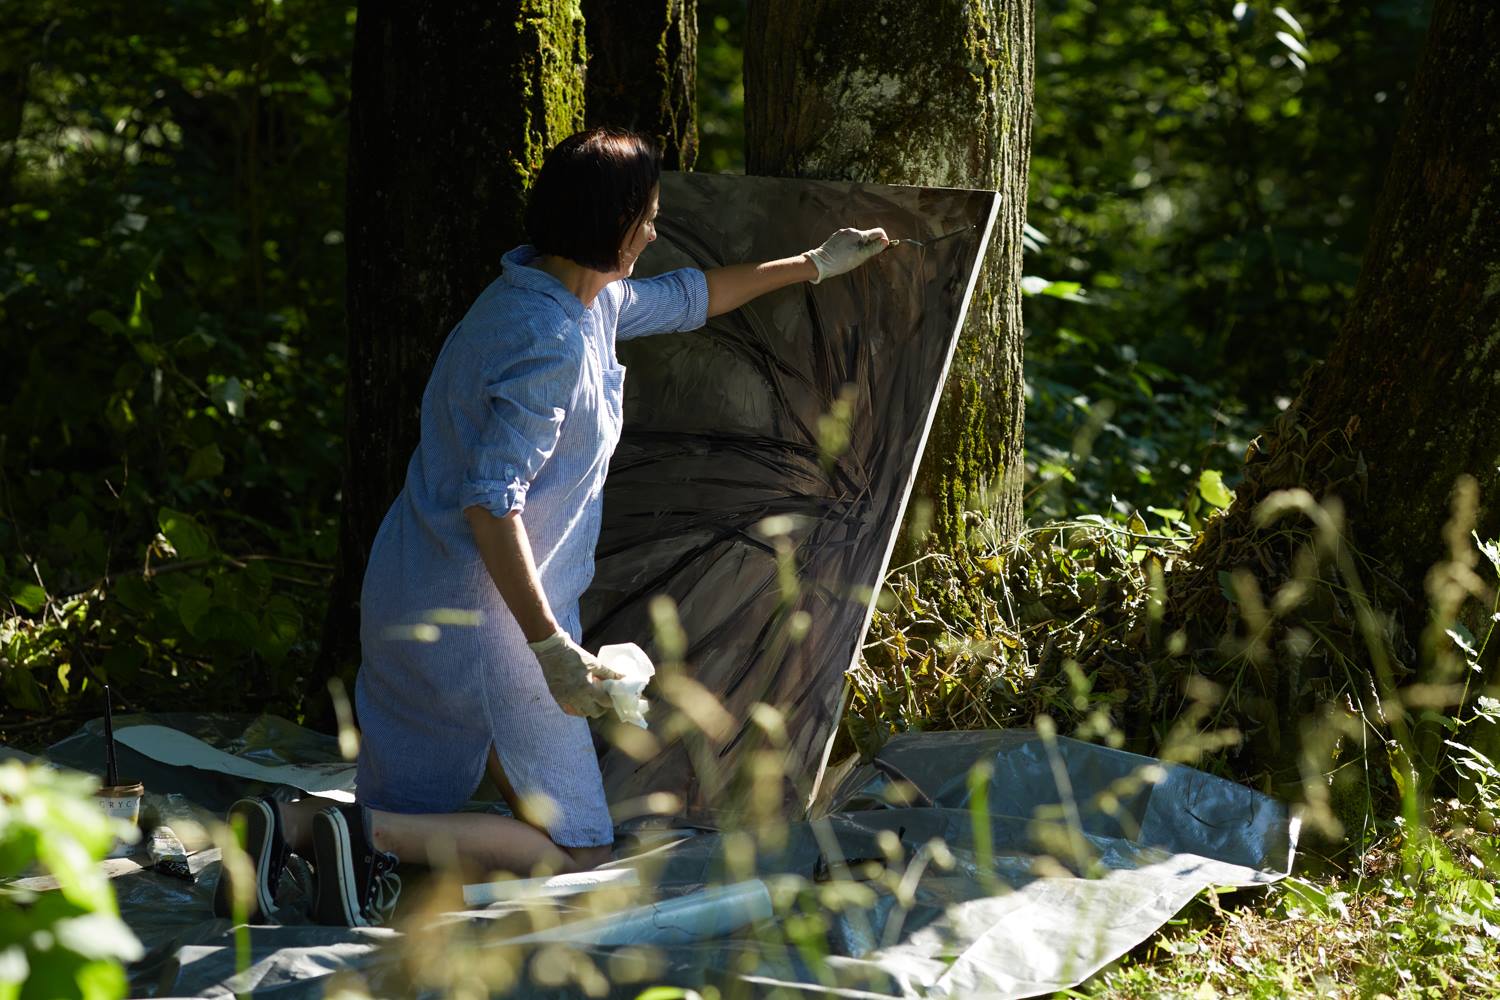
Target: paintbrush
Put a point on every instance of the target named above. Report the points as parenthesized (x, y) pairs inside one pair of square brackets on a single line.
[(927, 243), (111, 771)]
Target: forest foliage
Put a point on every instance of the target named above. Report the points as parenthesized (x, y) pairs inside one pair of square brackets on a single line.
[(171, 291)]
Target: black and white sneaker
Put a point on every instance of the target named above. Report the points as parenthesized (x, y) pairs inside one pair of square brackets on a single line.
[(265, 844), (357, 884)]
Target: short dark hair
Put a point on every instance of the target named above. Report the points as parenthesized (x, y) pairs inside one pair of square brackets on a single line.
[(592, 189)]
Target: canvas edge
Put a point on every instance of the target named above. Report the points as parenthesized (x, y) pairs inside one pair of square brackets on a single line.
[(911, 480)]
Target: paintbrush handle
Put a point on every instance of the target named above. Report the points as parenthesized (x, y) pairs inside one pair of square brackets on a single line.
[(111, 771)]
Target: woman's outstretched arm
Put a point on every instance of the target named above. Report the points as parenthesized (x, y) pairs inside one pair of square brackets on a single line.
[(731, 287)]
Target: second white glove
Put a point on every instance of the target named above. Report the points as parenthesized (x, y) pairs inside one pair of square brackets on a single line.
[(845, 250), (568, 668)]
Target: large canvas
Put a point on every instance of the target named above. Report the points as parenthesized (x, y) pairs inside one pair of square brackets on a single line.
[(731, 470)]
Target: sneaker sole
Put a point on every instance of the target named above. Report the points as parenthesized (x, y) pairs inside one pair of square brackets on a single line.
[(260, 825), (336, 902)]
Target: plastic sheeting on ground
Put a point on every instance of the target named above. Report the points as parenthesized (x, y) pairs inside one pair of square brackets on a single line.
[(810, 405), (1089, 850)]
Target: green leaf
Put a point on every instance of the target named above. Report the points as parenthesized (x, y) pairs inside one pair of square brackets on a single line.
[(1226, 587), (118, 412), (138, 319), (1166, 513), (230, 394), (29, 596), (227, 625), (106, 321), (187, 536), (1211, 488), (280, 627), (257, 576), (192, 605), (205, 463), (133, 593)]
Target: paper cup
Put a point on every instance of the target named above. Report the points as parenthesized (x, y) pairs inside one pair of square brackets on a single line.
[(121, 802)]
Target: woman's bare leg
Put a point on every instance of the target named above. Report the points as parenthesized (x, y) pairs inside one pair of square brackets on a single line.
[(480, 841), (483, 841), (583, 858)]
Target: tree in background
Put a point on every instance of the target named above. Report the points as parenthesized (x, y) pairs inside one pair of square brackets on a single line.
[(453, 108), (941, 95), (1401, 411), (1202, 183), (642, 72), (171, 309)]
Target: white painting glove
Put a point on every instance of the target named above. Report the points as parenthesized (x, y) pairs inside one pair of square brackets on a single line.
[(569, 668), (845, 250)]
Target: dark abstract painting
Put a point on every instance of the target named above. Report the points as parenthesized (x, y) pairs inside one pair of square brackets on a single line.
[(767, 460)]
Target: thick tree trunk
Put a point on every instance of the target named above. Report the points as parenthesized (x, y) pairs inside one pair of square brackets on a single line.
[(643, 71), (1405, 404), (937, 94), (454, 105), (18, 48)]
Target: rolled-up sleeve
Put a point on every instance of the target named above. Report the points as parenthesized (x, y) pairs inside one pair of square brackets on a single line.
[(667, 303), (524, 405)]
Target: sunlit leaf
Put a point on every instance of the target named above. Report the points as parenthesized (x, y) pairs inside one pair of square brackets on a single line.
[(29, 596), (1290, 21), (230, 394), (1211, 488), (1291, 42), (187, 536)]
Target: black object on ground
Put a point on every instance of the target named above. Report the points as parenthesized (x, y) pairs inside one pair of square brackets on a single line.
[(111, 771)]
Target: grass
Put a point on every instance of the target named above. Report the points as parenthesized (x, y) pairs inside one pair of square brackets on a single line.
[(1396, 892), (1068, 626), (1387, 935)]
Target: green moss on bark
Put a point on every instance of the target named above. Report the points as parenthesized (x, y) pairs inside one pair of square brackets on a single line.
[(928, 94)]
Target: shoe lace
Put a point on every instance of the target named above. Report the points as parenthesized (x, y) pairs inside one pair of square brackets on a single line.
[(384, 886)]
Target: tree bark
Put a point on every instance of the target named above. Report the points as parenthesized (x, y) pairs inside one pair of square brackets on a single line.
[(893, 92), (454, 105), (643, 71), (1405, 403)]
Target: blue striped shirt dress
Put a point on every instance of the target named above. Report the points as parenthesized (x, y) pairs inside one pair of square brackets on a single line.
[(522, 412)]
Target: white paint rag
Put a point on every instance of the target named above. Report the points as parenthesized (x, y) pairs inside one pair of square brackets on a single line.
[(636, 670)]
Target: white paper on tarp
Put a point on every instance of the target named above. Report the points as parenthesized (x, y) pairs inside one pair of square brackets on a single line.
[(485, 893), (710, 913), (331, 781)]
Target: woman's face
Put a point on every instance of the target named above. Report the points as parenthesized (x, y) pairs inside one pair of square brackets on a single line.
[(640, 236)]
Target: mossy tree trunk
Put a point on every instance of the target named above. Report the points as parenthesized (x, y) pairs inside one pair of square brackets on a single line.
[(1406, 402), (454, 104), (939, 94), (643, 72), (18, 50)]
